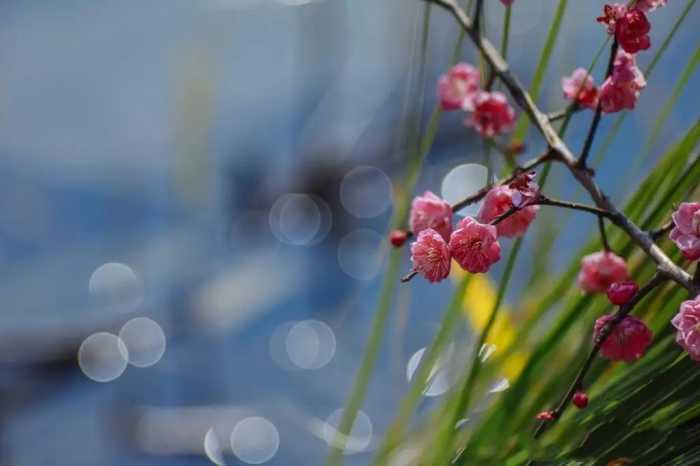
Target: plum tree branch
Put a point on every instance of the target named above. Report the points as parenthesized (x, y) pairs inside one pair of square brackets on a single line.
[(561, 152), (605, 332)]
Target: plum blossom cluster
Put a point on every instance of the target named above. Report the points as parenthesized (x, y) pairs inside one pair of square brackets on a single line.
[(604, 271), (473, 243), (489, 113), (620, 90)]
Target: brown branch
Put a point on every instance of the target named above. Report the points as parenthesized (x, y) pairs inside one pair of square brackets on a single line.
[(544, 200), (661, 231), (564, 112), (605, 332), (561, 151)]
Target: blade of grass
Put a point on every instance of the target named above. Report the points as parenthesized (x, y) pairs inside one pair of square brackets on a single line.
[(512, 402), (610, 137), (542, 65), (398, 427), (391, 278), (688, 71), (443, 447)]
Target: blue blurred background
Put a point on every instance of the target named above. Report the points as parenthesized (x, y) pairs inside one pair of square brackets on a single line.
[(193, 201)]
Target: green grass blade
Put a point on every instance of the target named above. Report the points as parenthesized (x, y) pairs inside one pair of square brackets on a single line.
[(542, 65), (612, 134)]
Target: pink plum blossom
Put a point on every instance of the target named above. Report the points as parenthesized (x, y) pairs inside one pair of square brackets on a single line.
[(475, 246), (625, 69), (457, 88), (429, 211), (627, 342), (600, 270), (431, 256), (621, 90), (492, 114), (632, 31), (498, 201), (687, 321), (621, 292), (686, 230), (580, 88), (507, 2)]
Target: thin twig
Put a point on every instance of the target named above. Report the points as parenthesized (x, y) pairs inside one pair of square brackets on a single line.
[(603, 236), (544, 200), (625, 309), (661, 231), (479, 195), (507, 213), (562, 152), (598, 112), (561, 114)]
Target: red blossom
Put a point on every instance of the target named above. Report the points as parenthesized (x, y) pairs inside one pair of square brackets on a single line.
[(475, 246), (431, 256), (621, 292), (627, 342), (397, 238)]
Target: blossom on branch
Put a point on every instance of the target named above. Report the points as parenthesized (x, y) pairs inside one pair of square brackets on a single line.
[(457, 88), (630, 26), (492, 114), (600, 270), (627, 342), (499, 200), (430, 256), (430, 211), (621, 90), (474, 245), (687, 322), (686, 231), (621, 292), (580, 88)]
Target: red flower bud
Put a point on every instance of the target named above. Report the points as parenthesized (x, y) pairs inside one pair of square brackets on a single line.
[(580, 399), (546, 416), (621, 292), (397, 238)]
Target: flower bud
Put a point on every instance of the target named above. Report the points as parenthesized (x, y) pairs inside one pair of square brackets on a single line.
[(580, 399), (397, 238), (621, 292)]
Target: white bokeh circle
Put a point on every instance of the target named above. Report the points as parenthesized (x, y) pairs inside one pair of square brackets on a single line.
[(361, 253), (102, 357), (366, 192), (310, 344), (463, 181), (360, 435), (255, 440), (115, 287), (213, 449), (300, 219), (145, 341), (441, 377)]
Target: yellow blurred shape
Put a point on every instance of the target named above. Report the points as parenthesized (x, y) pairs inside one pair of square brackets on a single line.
[(479, 299)]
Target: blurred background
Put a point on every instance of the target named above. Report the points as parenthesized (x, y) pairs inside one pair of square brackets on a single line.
[(193, 204)]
